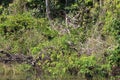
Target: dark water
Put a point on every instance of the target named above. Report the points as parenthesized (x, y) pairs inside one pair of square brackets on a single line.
[(9, 73), (29, 76)]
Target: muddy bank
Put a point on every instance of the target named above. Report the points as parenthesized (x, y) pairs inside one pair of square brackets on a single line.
[(10, 58)]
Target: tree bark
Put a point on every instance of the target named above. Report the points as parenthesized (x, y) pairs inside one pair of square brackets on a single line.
[(48, 9)]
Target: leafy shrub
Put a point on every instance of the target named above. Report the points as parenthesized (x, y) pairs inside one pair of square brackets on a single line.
[(114, 58), (57, 42), (22, 32), (13, 24), (114, 62), (112, 29), (87, 63)]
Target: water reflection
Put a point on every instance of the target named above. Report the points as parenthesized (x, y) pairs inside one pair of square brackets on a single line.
[(16, 77), (29, 76), (9, 73)]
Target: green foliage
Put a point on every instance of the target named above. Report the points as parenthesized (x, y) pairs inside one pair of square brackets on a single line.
[(112, 27), (114, 58), (5, 3), (86, 63), (1, 9), (23, 67), (78, 35), (48, 32), (16, 24), (58, 42), (23, 32), (24, 29), (89, 2), (74, 65)]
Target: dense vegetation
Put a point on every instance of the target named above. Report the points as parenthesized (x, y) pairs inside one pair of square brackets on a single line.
[(64, 37)]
